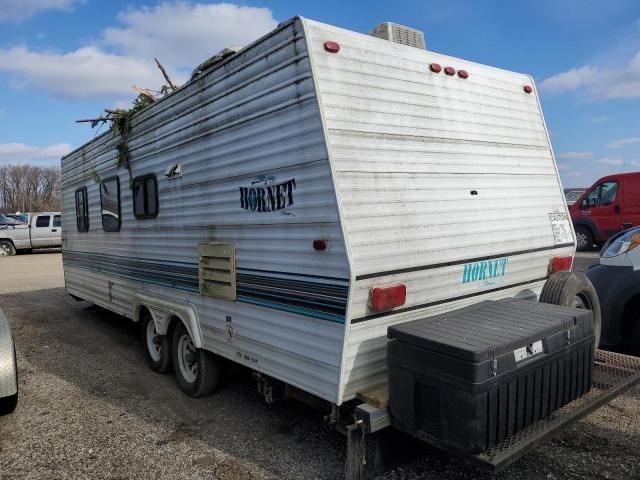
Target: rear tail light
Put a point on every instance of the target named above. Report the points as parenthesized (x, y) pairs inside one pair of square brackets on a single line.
[(386, 298), (560, 264)]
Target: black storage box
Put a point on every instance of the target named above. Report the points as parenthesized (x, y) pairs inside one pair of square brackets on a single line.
[(468, 379)]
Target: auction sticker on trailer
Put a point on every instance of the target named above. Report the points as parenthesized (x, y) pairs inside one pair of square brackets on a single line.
[(560, 227)]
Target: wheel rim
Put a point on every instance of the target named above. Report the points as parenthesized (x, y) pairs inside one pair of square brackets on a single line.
[(4, 250), (581, 239), (154, 346), (581, 301), (187, 358)]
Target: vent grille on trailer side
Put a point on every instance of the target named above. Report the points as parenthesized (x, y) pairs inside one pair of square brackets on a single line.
[(217, 270)]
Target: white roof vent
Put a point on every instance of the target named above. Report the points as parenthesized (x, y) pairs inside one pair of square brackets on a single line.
[(399, 34)]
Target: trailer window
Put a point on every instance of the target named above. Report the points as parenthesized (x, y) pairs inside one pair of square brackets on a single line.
[(145, 196), (110, 204), (82, 210)]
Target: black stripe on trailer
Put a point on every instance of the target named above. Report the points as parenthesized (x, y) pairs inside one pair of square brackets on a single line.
[(460, 262)]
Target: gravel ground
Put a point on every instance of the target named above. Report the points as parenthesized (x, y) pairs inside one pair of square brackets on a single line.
[(90, 408)]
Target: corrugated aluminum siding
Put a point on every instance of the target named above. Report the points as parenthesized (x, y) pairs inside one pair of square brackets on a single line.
[(255, 115), (408, 147)]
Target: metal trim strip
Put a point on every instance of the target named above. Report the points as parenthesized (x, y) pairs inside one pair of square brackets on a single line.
[(460, 262)]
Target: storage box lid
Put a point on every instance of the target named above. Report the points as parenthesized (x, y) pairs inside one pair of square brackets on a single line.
[(471, 333)]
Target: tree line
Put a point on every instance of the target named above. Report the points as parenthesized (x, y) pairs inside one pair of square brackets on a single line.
[(29, 188)]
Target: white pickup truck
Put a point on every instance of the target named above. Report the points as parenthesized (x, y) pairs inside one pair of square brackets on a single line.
[(44, 230)]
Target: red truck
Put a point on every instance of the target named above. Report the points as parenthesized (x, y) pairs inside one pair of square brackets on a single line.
[(611, 204)]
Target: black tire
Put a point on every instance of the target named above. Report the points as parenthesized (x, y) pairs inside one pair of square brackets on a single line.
[(7, 249), (574, 290), (159, 359), (206, 377), (584, 239), (9, 404)]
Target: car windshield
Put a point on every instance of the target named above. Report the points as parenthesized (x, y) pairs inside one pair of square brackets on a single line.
[(7, 219)]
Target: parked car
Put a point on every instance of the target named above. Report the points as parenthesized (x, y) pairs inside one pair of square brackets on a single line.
[(8, 368), (572, 195), (23, 217), (617, 281), (9, 220), (42, 231), (611, 205)]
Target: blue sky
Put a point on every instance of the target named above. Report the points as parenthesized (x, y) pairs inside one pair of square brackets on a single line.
[(66, 59)]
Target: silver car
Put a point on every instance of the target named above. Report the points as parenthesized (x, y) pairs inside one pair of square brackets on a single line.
[(8, 369)]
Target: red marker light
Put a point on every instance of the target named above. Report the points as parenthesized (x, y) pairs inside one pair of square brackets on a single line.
[(528, 88), (320, 245), (386, 298), (435, 68), (463, 74), (560, 264), (450, 71), (331, 47)]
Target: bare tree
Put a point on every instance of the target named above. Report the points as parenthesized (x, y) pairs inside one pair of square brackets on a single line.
[(29, 188)]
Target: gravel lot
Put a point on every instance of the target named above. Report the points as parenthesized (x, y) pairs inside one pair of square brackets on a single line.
[(90, 408)]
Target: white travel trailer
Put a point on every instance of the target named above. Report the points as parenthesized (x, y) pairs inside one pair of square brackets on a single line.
[(292, 201)]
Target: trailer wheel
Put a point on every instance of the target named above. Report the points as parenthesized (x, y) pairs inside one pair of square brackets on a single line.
[(157, 347), (9, 404), (7, 249), (575, 290), (197, 370), (584, 239)]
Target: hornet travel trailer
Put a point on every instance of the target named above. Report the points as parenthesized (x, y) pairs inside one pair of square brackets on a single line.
[(294, 200)]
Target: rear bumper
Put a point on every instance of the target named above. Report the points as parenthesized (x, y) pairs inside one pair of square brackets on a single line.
[(8, 382), (615, 287)]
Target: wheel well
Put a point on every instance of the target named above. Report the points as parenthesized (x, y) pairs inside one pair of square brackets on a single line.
[(630, 316), (8, 240), (173, 323), (142, 311), (586, 227)]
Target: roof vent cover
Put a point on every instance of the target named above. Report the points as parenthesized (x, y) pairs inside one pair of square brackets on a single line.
[(399, 34)]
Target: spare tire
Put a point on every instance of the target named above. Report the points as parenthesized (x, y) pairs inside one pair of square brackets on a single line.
[(575, 290)]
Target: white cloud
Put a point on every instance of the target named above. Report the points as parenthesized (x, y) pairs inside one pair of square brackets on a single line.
[(598, 83), (22, 153), (623, 142), (602, 119), (16, 10), (574, 156), (180, 34), (611, 161), (82, 73)]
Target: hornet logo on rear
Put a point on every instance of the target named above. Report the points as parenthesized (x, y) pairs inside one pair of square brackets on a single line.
[(484, 270)]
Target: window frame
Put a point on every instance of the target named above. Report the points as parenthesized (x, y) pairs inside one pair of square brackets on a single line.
[(143, 179), (85, 217), (598, 188), (105, 180)]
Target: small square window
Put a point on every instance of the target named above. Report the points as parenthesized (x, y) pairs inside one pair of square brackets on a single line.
[(145, 196), (43, 221), (110, 204), (82, 210), (57, 221)]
